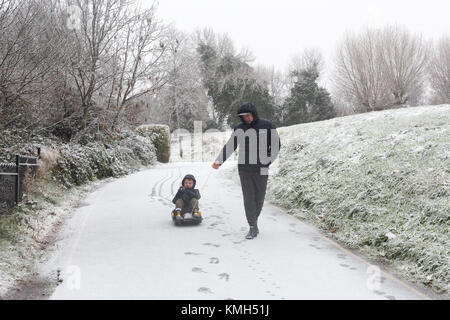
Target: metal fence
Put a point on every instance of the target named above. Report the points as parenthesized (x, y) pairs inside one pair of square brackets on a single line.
[(12, 178)]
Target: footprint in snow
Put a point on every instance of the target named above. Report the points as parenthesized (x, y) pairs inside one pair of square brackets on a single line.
[(224, 276), (270, 292), (193, 254), (198, 270), (211, 244), (214, 260), (205, 290)]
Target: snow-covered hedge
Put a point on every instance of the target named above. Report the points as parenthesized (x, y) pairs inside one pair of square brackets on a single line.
[(79, 162), (379, 182), (160, 136)]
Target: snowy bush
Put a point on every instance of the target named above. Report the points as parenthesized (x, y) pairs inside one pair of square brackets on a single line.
[(160, 137), (84, 160), (79, 164)]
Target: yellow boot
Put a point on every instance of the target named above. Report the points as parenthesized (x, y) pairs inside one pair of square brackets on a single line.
[(197, 214), (178, 215)]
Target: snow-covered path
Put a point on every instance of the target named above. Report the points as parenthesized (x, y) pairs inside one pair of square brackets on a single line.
[(121, 244)]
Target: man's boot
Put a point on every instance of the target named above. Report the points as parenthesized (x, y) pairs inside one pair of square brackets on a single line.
[(252, 233)]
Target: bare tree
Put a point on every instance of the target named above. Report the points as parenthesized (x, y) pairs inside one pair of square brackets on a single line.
[(118, 57), (275, 81), (31, 50), (71, 63), (310, 58), (405, 57), (439, 71), (358, 75), (380, 68), (183, 98), (140, 62), (99, 26)]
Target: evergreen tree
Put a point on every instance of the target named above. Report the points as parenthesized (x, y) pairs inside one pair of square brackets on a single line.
[(324, 108), (231, 82), (307, 101)]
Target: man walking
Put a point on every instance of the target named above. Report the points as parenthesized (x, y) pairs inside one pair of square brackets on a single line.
[(259, 147)]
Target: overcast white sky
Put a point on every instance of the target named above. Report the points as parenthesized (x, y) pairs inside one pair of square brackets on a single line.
[(274, 30)]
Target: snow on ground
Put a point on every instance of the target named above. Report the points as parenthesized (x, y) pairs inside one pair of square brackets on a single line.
[(32, 228), (378, 182), (122, 244)]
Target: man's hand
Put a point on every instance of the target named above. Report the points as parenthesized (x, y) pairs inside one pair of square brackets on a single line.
[(216, 165)]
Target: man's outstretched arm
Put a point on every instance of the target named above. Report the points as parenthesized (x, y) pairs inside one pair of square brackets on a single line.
[(227, 150)]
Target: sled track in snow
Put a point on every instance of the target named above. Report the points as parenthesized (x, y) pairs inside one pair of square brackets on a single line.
[(162, 184), (170, 178), (157, 187)]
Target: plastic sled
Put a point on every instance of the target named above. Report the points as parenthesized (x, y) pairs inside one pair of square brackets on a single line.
[(187, 219)]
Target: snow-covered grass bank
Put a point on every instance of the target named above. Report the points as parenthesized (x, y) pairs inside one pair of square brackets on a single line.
[(379, 182)]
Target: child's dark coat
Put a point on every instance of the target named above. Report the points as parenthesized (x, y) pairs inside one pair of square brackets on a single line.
[(187, 194)]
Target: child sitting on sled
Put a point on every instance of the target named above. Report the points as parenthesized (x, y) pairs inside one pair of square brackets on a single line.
[(186, 199)]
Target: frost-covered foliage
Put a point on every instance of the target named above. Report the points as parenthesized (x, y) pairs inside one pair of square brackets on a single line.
[(85, 160), (160, 137), (81, 163), (379, 182)]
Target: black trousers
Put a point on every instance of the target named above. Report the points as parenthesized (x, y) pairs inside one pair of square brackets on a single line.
[(254, 191)]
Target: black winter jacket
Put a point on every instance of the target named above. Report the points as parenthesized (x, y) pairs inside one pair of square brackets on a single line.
[(262, 130), (186, 194)]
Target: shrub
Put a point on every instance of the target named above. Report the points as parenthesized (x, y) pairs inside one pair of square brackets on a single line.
[(160, 136)]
